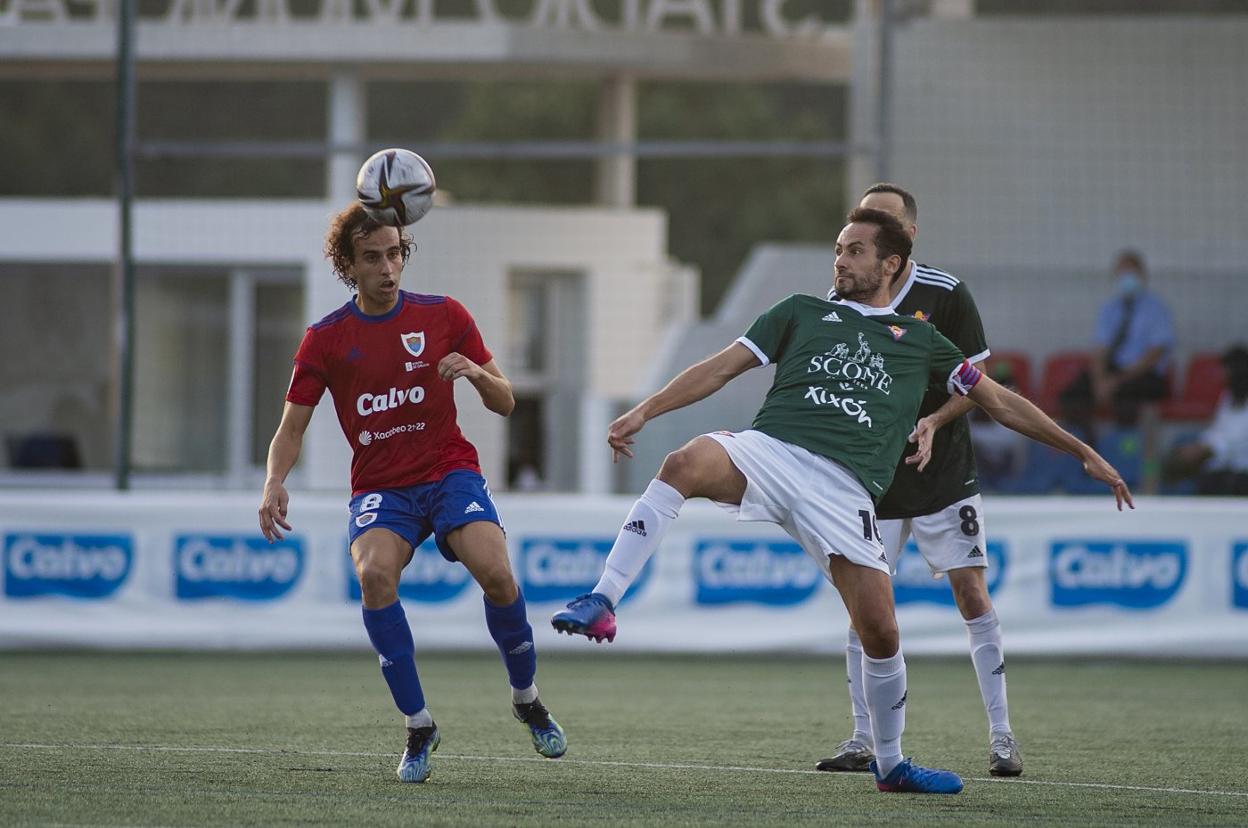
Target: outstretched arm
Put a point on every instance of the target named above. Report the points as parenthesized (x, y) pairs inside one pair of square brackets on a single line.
[(283, 452), (697, 382), (1017, 413)]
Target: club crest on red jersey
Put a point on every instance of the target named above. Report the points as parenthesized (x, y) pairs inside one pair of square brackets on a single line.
[(414, 342)]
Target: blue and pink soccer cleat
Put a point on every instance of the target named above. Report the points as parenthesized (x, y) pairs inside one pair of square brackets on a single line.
[(590, 615), (910, 778)]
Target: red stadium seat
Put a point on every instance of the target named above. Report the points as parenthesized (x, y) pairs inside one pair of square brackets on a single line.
[(1020, 369), (1203, 384), (1060, 370)]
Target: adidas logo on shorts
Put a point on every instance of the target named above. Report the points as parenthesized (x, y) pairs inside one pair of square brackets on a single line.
[(637, 527), (975, 552), (474, 506)]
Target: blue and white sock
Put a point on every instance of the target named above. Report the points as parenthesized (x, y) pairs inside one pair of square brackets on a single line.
[(509, 627), (392, 639)]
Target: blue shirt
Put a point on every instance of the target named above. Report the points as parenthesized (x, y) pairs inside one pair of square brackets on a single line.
[(1150, 327)]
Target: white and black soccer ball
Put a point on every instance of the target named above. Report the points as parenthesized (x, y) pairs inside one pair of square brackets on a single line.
[(396, 187)]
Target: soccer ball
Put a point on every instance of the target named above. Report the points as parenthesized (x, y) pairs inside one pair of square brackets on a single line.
[(396, 187)]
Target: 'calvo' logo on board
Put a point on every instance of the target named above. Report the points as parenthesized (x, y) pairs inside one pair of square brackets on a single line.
[(77, 566), (559, 569), (243, 567), (1132, 574), (428, 577), (914, 583), (771, 572), (1239, 575)]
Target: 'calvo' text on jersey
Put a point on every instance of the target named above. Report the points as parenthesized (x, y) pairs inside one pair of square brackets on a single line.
[(368, 403)]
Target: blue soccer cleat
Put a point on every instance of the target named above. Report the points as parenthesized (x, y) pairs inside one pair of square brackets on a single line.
[(421, 741), (909, 778), (548, 737), (590, 615)]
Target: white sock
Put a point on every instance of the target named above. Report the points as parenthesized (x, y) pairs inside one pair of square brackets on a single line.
[(988, 656), (421, 718), (528, 694), (885, 685), (653, 512), (857, 696)]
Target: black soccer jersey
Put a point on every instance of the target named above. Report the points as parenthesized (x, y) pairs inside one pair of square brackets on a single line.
[(936, 297)]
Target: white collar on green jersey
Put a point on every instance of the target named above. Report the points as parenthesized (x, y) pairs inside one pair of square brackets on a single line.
[(865, 310)]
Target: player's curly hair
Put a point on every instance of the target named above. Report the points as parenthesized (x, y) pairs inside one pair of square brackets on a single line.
[(351, 224)]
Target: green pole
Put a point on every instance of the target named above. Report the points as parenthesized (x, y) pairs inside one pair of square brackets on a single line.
[(124, 275)]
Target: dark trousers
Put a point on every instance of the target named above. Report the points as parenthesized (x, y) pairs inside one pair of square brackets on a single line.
[(1222, 482), (1078, 403)]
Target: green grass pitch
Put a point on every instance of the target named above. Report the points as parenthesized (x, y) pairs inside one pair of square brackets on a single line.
[(312, 739)]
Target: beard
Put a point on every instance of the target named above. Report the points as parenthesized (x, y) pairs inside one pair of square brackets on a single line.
[(865, 286)]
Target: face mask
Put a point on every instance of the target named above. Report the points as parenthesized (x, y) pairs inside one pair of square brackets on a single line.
[(1129, 283)]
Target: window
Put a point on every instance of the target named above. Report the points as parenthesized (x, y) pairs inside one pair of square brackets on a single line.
[(57, 366), (212, 359), (546, 364)]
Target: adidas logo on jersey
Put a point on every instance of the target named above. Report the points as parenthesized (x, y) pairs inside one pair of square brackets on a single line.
[(832, 317), (637, 527), (975, 552), (474, 506)]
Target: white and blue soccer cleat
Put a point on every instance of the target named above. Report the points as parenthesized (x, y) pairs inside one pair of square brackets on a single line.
[(421, 741), (548, 737)]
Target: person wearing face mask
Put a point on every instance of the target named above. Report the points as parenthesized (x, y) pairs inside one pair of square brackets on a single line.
[(1134, 338)]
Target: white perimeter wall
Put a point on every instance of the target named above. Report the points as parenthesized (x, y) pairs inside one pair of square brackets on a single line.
[(1068, 576)]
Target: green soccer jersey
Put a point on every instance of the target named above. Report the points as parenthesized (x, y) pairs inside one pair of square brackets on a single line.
[(936, 297), (849, 380)]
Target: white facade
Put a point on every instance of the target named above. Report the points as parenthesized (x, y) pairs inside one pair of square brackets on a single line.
[(467, 252)]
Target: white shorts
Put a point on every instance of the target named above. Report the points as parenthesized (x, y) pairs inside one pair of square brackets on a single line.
[(952, 538), (817, 501)]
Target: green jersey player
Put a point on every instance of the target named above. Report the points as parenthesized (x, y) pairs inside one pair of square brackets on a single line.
[(939, 505), (850, 376)]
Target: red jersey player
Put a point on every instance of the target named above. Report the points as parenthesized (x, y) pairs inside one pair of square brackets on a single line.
[(390, 359)]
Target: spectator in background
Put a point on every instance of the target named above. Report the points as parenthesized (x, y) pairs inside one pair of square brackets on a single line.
[(1219, 459), (1134, 337)]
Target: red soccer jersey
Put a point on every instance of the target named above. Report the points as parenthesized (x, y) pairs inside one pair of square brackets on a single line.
[(382, 372)]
